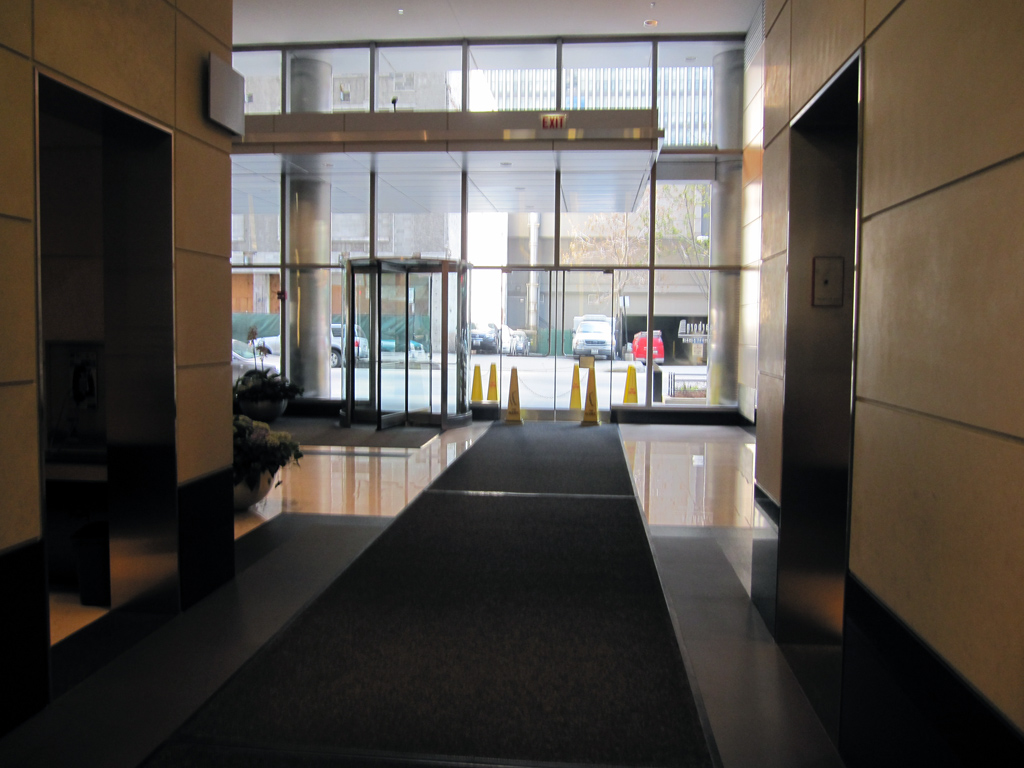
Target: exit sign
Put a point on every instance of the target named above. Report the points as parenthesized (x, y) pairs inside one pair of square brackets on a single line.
[(553, 121)]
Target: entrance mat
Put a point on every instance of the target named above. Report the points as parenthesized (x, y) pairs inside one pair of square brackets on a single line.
[(476, 629), (542, 457), (311, 430)]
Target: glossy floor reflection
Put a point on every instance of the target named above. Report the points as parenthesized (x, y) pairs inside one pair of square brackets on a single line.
[(694, 476), (372, 482)]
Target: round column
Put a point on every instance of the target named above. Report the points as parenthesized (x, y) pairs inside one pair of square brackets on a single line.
[(726, 229)]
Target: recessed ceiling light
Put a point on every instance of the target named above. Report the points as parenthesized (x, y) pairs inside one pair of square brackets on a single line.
[(506, 164), (651, 23), (520, 189), (401, 11)]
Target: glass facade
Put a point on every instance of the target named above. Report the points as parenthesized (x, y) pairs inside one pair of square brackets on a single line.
[(553, 287)]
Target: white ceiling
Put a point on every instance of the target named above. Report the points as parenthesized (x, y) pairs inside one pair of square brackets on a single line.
[(294, 21)]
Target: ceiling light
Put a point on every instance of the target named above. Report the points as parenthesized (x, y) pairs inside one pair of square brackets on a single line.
[(520, 189), (401, 11), (691, 58), (651, 23), (506, 164)]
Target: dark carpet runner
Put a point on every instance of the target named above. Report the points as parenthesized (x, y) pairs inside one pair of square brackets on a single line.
[(479, 628)]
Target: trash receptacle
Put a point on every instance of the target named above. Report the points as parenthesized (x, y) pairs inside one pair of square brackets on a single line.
[(91, 544)]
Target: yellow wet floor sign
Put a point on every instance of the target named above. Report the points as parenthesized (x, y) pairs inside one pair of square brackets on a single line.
[(478, 389), (513, 414), (630, 385), (492, 383), (574, 398), (590, 414)]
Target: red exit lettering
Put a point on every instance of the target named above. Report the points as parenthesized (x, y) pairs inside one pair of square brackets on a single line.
[(554, 122)]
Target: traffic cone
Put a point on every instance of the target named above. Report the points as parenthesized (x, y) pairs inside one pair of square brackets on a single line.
[(478, 389), (630, 385), (513, 415), (492, 383), (574, 398), (591, 418)]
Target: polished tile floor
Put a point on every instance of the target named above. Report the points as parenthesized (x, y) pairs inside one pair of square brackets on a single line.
[(695, 485)]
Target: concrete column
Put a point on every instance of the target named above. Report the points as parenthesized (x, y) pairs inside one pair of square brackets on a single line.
[(308, 241), (309, 291), (726, 229)]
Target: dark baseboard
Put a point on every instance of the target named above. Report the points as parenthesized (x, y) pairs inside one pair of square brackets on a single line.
[(206, 536), (25, 644), (904, 705), (764, 561), (717, 417)]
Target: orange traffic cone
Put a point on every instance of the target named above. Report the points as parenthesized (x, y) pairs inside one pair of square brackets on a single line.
[(513, 414)]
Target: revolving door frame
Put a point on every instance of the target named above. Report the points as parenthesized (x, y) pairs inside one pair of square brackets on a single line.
[(358, 412)]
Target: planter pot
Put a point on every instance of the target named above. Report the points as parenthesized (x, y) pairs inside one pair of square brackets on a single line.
[(245, 496), (262, 410)]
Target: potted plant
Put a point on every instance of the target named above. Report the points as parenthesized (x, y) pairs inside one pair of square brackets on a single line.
[(263, 394), (258, 453)]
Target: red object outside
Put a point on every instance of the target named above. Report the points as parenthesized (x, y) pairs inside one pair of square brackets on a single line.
[(640, 347)]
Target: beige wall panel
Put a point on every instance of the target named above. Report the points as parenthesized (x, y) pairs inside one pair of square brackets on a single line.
[(204, 420), (768, 460), (215, 16), (752, 240), (775, 197), (16, 25), (17, 137), (19, 465), (202, 197), (122, 48), (875, 11), (753, 160), (937, 532), (753, 77), (194, 46), (772, 8), (748, 366), (935, 105), (749, 317), (18, 299), (776, 76), (825, 34), (202, 288), (772, 308), (753, 118), (942, 304)]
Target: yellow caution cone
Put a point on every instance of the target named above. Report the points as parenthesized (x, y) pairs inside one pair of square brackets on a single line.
[(630, 385), (574, 398), (492, 383), (590, 415), (478, 388), (513, 414)]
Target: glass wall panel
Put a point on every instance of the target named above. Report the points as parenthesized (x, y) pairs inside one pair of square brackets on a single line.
[(262, 73), (685, 91), (682, 225), (255, 307), (346, 73), (350, 217), (681, 317), (511, 215), (419, 79), (512, 77), (419, 215), (606, 75), (256, 212), (605, 222)]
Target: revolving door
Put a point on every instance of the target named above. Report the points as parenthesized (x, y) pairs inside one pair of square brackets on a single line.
[(410, 365)]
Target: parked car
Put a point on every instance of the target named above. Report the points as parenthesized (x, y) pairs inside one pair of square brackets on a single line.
[(362, 346), (485, 338), (243, 360), (640, 347), (593, 337)]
